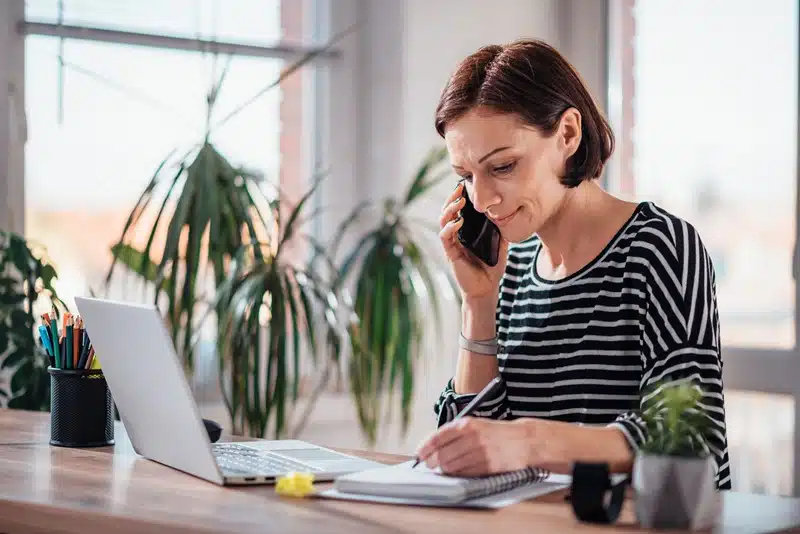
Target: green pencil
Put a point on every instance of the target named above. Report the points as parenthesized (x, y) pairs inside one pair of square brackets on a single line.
[(56, 348)]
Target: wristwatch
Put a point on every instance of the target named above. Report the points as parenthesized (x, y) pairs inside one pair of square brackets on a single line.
[(590, 484)]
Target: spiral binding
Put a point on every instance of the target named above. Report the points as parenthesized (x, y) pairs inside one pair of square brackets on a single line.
[(489, 485)]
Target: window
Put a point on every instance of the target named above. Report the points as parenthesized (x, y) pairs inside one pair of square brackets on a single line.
[(703, 96), (97, 134), (99, 127)]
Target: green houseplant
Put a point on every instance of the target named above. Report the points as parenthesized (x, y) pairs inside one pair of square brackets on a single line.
[(217, 225), (209, 210), (673, 474), (26, 281), (270, 316), (396, 286)]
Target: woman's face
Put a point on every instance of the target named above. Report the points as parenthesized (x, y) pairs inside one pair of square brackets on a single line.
[(511, 171)]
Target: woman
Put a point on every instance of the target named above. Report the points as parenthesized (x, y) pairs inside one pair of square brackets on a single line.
[(595, 300)]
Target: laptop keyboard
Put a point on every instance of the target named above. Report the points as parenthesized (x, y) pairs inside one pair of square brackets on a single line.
[(238, 459)]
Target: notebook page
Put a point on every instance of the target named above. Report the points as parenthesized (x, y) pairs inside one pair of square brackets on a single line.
[(402, 481)]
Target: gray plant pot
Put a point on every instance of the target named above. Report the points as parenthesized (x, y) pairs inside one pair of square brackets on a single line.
[(674, 492)]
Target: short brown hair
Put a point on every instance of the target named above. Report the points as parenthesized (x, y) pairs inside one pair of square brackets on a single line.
[(533, 80)]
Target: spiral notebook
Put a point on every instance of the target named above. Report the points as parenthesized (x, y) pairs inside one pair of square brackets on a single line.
[(401, 484)]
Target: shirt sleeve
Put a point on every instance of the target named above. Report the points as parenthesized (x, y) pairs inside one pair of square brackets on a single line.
[(451, 403), (680, 335)]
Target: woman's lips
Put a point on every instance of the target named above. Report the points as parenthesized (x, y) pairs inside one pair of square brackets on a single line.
[(504, 220)]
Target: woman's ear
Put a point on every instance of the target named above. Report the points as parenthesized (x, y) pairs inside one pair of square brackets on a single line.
[(569, 132)]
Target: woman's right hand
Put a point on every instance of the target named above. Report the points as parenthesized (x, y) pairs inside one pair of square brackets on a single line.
[(476, 279)]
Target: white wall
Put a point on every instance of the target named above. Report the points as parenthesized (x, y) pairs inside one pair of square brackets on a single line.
[(384, 92), (439, 34)]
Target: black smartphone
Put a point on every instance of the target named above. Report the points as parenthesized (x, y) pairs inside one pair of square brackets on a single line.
[(478, 234)]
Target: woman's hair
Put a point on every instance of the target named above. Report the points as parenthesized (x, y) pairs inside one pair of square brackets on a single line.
[(530, 79)]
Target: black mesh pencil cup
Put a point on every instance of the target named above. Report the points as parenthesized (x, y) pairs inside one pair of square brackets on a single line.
[(82, 410)]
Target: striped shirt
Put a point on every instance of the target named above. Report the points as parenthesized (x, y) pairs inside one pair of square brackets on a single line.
[(586, 348)]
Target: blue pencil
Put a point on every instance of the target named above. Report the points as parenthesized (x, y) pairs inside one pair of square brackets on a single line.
[(46, 342)]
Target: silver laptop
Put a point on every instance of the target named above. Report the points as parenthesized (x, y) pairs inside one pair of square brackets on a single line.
[(161, 417)]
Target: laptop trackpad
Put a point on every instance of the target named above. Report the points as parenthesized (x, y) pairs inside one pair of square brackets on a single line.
[(313, 456)]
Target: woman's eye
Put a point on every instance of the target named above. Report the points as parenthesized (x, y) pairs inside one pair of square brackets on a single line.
[(504, 169), (467, 177)]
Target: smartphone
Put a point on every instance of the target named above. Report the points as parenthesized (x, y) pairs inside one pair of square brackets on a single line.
[(478, 234)]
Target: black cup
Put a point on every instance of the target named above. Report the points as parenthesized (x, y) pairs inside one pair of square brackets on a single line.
[(81, 408)]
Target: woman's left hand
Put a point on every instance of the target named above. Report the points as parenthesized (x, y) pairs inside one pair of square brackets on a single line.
[(474, 446)]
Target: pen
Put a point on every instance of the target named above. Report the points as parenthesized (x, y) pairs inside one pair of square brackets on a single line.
[(491, 388)]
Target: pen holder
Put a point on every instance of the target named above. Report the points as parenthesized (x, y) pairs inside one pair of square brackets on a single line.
[(82, 410)]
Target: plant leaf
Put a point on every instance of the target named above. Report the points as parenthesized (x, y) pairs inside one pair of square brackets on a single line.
[(421, 182), (295, 333), (288, 229), (13, 359), (139, 208), (344, 227), (135, 260)]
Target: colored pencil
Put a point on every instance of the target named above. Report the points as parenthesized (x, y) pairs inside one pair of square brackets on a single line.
[(55, 339), (90, 359), (76, 342), (69, 334), (46, 343), (62, 347)]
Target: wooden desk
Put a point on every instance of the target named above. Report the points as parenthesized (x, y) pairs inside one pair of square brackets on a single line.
[(53, 489)]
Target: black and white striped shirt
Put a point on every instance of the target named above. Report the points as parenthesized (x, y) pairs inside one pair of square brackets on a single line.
[(583, 349)]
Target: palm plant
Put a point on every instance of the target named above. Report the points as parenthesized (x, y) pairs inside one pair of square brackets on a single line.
[(213, 198), (395, 285), (211, 208), (268, 320), (221, 229)]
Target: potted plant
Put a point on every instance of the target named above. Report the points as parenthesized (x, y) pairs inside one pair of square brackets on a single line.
[(217, 249), (273, 309), (26, 277), (397, 291), (206, 209), (674, 471)]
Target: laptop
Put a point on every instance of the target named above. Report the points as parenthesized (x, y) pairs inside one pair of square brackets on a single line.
[(160, 415)]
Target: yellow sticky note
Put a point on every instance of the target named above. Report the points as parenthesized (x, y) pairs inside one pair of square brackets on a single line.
[(295, 485), (95, 363)]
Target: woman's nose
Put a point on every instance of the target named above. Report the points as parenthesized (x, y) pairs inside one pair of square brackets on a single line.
[(482, 196)]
